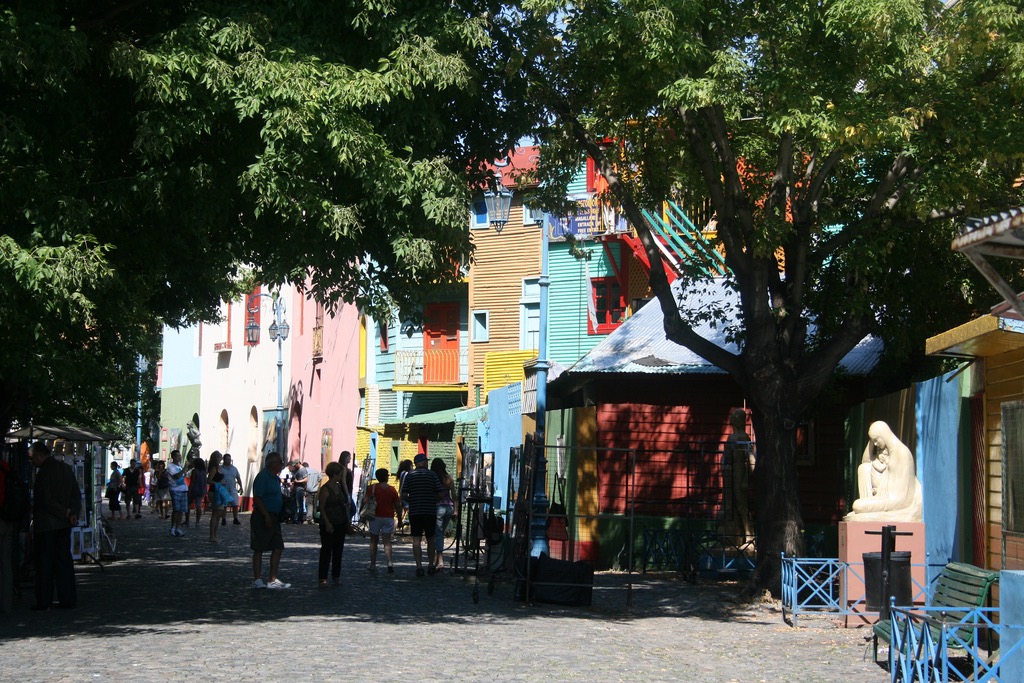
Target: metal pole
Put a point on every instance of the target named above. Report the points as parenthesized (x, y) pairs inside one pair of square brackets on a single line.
[(138, 421), (280, 361), (538, 525)]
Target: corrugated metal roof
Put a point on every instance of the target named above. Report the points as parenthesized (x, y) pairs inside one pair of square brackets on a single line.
[(471, 415), (639, 344)]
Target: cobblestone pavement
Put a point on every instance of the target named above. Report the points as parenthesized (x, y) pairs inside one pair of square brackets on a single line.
[(181, 608)]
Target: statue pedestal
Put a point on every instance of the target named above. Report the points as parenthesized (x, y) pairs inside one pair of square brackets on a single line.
[(854, 541)]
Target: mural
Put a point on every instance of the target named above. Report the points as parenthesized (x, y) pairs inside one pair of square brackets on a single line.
[(326, 447), (274, 432)]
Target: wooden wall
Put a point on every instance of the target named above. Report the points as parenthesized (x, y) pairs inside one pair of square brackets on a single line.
[(500, 262), (1004, 382), (690, 415)]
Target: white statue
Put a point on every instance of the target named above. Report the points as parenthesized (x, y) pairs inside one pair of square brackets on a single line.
[(887, 486)]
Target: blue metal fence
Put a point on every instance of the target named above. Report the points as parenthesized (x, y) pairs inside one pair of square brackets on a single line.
[(813, 585), (929, 645)]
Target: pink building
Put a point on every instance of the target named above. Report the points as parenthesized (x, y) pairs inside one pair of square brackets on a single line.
[(323, 394)]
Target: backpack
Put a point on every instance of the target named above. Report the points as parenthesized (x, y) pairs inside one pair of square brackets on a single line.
[(14, 504), (163, 481), (334, 509)]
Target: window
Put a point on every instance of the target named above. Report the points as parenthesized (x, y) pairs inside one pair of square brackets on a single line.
[(481, 326), (480, 219), (532, 214), (608, 308), (529, 314), (1013, 466), (383, 329)]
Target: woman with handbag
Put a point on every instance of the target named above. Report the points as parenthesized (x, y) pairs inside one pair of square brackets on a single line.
[(334, 522), (114, 486), (445, 511)]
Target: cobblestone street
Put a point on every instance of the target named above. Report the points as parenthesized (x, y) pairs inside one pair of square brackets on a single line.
[(181, 608)]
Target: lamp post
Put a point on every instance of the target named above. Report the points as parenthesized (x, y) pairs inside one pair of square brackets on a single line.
[(142, 366), (499, 205), (278, 332)]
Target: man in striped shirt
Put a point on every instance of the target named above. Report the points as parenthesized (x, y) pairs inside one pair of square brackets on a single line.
[(422, 490)]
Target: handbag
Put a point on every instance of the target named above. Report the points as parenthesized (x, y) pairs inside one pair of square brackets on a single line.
[(368, 510)]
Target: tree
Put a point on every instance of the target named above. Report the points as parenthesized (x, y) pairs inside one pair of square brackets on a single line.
[(839, 143), (156, 157)]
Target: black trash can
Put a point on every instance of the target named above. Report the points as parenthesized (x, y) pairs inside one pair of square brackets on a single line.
[(901, 586)]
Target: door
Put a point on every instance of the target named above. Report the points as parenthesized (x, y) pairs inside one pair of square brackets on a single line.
[(441, 343)]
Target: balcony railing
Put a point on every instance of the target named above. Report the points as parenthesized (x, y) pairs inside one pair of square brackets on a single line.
[(432, 366)]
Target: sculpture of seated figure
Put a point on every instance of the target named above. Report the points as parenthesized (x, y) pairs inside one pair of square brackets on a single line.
[(887, 486)]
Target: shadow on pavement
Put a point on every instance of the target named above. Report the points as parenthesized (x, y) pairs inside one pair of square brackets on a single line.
[(162, 584)]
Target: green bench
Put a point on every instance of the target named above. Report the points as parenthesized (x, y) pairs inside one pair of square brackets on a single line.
[(959, 588)]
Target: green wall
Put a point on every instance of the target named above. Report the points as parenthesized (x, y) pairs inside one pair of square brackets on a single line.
[(177, 405)]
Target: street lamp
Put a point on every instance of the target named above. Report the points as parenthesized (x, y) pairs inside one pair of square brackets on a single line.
[(278, 331), (499, 206), (498, 199)]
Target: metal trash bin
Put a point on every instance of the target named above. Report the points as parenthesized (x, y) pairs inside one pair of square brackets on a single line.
[(901, 586)]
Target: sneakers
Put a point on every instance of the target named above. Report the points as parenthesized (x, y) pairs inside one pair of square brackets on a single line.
[(175, 531), (391, 569), (259, 583), (223, 521), (277, 584), (419, 571), (236, 521)]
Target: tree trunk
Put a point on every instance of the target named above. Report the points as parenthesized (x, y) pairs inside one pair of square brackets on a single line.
[(777, 502)]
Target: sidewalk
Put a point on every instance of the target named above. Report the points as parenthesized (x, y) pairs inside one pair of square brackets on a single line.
[(181, 609)]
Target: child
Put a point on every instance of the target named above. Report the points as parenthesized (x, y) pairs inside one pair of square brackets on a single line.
[(382, 526)]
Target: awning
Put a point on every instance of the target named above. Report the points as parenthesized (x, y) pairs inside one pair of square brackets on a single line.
[(65, 433), (436, 418), (471, 414)]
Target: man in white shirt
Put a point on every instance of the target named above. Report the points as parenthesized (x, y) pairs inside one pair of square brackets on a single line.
[(312, 488), (233, 483), (179, 493)]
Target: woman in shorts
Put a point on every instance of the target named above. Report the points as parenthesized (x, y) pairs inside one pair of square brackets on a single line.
[(382, 526)]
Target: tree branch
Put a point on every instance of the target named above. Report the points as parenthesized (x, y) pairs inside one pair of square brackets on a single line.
[(890, 191), (722, 201), (779, 191)]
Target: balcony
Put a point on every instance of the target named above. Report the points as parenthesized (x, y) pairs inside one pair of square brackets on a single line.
[(432, 367)]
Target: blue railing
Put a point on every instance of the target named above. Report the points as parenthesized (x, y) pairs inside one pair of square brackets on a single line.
[(929, 645), (814, 585), (696, 551)]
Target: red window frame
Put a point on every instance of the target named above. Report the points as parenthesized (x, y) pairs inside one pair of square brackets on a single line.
[(609, 312)]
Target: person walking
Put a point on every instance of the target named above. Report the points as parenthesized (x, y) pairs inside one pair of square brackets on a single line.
[(265, 522), (219, 500), (161, 488), (423, 490), (382, 526), (312, 490), (334, 520), (56, 505), (197, 488), (132, 494), (233, 483), (179, 493), (113, 493), (445, 511), (300, 476)]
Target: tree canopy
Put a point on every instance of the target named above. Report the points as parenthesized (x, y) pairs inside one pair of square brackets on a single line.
[(158, 156), (840, 144)]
